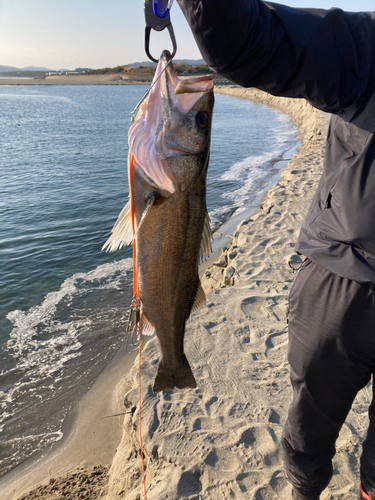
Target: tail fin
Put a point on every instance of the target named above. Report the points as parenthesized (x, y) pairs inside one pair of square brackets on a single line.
[(180, 377)]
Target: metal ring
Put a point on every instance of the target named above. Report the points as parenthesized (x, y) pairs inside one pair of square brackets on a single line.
[(147, 42)]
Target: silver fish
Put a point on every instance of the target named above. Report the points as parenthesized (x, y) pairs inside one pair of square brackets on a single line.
[(169, 152)]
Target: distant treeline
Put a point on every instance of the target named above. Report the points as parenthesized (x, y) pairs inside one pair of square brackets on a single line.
[(149, 70), (187, 68), (141, 73)]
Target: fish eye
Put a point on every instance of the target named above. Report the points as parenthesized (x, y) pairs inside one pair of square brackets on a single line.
[(201, 119)]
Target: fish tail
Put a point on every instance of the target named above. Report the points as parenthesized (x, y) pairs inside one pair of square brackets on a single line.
[(180, 377)]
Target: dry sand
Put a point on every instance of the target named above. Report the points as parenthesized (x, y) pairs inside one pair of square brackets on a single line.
[(222, 440)]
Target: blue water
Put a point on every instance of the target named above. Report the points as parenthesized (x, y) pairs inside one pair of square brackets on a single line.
[(63, 182)]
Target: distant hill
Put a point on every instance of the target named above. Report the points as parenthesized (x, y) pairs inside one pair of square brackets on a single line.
[(35, 68), (4, 69), (35, 72), (192, 62), (7, 68)]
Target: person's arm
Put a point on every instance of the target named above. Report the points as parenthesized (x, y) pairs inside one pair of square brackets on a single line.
[(321, 55)]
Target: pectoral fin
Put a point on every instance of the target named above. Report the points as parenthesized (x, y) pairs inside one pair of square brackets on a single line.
[(122, 232), (150, 202)]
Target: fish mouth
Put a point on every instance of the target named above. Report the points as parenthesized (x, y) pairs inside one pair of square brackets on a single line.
[(181, 93), (166, 105), (188, 85), (177, 98)]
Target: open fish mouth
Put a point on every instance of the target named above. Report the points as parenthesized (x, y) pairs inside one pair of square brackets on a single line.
[(172, 87), (157, 131), (179, 94)]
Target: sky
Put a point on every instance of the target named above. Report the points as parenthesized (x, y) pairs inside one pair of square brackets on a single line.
[(100, 33)]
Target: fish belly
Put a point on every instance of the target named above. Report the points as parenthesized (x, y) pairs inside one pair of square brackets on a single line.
[(167, 262)]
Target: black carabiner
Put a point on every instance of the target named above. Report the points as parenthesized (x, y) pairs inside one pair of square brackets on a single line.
[(157, 18)]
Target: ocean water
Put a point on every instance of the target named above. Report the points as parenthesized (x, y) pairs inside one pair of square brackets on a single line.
[(63, 182)]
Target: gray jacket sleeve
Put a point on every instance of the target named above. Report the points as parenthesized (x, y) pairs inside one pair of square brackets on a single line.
[(324, 56)]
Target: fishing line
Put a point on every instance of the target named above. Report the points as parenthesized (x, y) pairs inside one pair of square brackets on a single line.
[(140, 420), (364, 494), (135, 275), (147, 92), (136, 302)]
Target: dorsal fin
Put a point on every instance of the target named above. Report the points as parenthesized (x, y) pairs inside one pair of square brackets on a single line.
[(206, 247)]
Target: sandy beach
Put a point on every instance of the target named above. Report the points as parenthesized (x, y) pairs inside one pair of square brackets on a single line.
[(221, 440)]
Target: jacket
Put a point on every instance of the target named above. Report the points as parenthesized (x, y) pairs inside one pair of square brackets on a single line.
[(328, 58)]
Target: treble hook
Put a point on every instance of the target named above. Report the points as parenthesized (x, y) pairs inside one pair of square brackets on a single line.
[(133, 329), (157, 18)]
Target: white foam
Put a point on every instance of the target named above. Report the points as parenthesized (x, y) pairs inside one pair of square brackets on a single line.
[(32, 437), (253, 180), (41, 343), (253, 174), (24, 333)]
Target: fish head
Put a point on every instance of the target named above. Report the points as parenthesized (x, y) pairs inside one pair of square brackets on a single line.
[(170, 139), (187, 107)]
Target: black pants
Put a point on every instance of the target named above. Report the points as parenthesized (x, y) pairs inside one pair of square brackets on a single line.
[(332, 357)]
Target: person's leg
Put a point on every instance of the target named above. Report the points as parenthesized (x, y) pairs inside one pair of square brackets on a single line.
[(368, 453), (363, 495), (331, 356)]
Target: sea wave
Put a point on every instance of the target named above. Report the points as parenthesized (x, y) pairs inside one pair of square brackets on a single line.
[(59, 347), (253, 176)]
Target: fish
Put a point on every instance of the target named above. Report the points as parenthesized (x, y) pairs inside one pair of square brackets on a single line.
[(169, 149)]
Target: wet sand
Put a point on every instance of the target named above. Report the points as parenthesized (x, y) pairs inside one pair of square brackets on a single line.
[(90, 440)]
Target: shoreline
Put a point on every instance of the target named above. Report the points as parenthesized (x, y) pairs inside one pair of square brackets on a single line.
[(305, 117), (106, 79), (52, 461), (34, 471), (224, 436), (90, 435)]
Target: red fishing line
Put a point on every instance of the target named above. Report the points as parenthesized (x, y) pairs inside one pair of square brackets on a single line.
[(135, 292), (140, 420), (364, 494), (135, 276)]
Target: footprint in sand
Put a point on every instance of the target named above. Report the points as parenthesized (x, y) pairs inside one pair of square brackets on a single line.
[(261, 308)]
